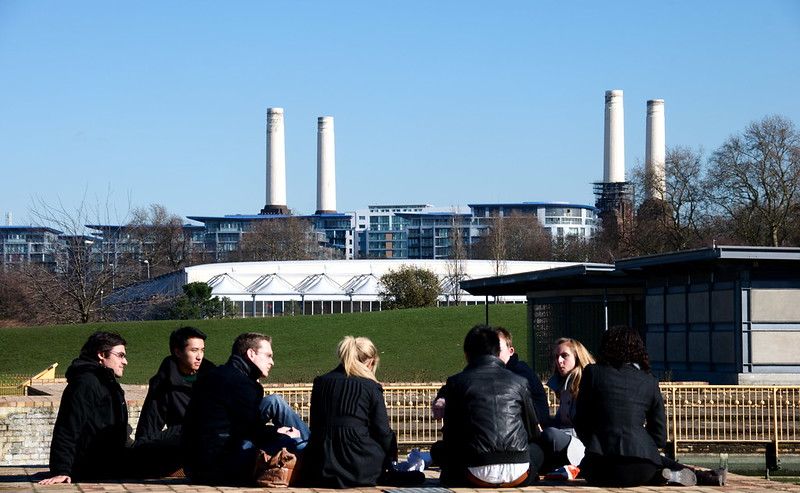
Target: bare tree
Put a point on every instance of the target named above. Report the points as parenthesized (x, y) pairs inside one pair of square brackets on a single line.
[(754, 179), (679, 218), (495, 244), (516, 237), (163, 240), (456, 265), (280, 238), (73, 290)]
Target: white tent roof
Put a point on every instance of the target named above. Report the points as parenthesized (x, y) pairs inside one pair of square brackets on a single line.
[(335, 279), (225, 285), (271, 284), (362, 285), (320, 286)]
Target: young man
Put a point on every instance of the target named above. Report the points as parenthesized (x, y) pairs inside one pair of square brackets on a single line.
[(509, 356), (168, 395), (224, 428), (92, 424), (489, 421), (512, 362)]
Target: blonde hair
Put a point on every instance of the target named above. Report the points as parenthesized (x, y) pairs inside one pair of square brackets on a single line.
[(354, 353), (582, 358)]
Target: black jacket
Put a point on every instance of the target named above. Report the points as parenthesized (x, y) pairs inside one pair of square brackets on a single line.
[(168, 396), (351, 442), (92, 424), (222, 415), (537, 389), (620, 413), (489, 416)]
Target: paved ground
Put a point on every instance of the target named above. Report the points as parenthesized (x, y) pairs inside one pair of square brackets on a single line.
[(14, 478)]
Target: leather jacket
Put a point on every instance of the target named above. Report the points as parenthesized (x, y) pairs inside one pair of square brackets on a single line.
[(489, 416)]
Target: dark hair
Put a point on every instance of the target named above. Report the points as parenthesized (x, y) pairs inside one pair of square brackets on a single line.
[(101, 342), (481, 340), (504, 333), (180, 337), (622, 345), (248, 340)]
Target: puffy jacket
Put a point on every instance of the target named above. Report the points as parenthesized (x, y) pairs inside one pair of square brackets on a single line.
[(92, 425), (489, 416), (168, 396), (222, 416)]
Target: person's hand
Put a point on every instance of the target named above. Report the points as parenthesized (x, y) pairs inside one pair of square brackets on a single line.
[(437, 408), (56, 479), (289, 431)]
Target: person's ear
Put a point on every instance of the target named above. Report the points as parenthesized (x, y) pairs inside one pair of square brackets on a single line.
[(511, 350)]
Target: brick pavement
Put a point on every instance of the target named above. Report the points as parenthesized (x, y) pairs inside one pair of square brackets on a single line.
[(15, 478)]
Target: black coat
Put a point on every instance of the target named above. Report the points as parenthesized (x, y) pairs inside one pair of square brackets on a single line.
[(489, 416), (620, 413), (351, 442), (222, 415), (92, 424), (537, 389), (168, 396)]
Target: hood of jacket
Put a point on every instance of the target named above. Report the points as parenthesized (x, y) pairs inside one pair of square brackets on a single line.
[(168, 371), (81, 366)]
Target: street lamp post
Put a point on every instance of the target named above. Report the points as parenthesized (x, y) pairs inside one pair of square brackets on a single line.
[(147, 264)]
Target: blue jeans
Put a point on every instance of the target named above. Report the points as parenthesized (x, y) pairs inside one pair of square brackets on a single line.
[(274, 408)]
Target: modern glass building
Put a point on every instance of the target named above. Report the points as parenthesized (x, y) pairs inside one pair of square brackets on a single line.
[(28, 244), (560, 219)]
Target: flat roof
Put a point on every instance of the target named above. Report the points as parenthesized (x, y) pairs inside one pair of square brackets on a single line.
[(536, 204), (624, 272), (31, 228), (710, 254), (579, 275), (258, 217)]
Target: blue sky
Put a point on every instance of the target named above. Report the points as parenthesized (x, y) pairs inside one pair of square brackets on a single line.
[(443, 102)]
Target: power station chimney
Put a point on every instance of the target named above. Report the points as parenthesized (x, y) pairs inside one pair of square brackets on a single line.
[(655, 150), (614, 142), (326, 166), (9, 220), (276, 163)]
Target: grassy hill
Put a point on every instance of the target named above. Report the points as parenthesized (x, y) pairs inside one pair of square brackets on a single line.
[(419, 345)]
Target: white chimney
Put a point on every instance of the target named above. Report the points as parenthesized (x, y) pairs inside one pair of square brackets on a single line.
[(614, 143), (655, 150), (9, 221), (276, 163), (326, 166)]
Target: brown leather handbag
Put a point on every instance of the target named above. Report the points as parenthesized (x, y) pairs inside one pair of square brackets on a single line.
[(275, 471)]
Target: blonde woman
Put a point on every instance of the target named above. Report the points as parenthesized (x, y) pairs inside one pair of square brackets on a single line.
[(351, 443), (559, 441)]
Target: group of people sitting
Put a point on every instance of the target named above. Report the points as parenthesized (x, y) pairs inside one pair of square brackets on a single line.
[(215, 424)]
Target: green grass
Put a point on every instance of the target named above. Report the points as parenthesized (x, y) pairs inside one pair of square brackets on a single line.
[(420, 345)]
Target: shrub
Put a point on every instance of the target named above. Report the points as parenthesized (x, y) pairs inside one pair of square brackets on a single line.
[(409, 287)]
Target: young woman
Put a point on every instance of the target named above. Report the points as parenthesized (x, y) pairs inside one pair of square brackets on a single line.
[(351, 443), (617, 396), (559, 441)]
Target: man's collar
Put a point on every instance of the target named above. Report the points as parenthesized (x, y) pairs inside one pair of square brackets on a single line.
[(485, 360)]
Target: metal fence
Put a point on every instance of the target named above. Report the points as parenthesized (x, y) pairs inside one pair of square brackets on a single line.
[(731, 414), (19, 384), (713, 414), (13, 384)]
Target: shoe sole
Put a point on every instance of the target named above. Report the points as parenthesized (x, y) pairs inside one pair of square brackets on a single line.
[(683, 477)]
